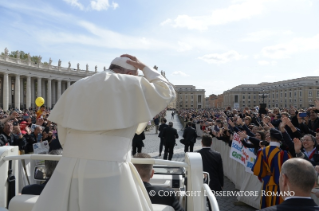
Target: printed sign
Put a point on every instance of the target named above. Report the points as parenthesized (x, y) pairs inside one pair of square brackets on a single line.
[(242, 154)]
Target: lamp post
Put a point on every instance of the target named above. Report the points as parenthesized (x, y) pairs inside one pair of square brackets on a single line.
[(263, 96)]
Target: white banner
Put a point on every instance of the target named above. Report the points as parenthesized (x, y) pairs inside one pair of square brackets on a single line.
[(242, 154)]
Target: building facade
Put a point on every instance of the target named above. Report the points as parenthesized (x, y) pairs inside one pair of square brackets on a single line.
[(300, 93), (22, 81), (189, 97), (217, 101)]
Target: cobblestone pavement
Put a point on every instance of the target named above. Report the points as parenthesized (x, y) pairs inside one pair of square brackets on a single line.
[(152, 148)]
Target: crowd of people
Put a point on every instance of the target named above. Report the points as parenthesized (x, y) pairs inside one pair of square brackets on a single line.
[(276, 135), (24, 128)]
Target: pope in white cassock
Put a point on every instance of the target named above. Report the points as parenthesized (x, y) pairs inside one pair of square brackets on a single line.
[(97, 118)]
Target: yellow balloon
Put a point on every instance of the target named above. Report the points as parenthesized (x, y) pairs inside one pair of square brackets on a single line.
[(39, 101)]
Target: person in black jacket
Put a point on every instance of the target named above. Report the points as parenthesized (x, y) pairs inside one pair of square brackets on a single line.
[(162, 140), (189, 136), (170, 135), (7, 138), (297, 177), (146, 172), (137, 143), (213, 164)]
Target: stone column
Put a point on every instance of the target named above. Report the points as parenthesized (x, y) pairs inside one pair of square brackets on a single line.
[(17, 92), (5, 91), (10, 90), (43, 91), (59, 90), (49, 102), (68, 84), (53, 92), (21, 92), (39, 89), (28, 92), (33, 93)]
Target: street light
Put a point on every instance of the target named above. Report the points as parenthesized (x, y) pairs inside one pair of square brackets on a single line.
[(263, 96), (263, 106)]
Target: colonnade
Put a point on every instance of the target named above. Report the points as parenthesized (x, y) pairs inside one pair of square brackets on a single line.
[(20, 91)]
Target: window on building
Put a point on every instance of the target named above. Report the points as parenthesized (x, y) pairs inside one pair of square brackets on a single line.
[(236, 98), (277, 95), (310, 93), (285, 94), (243, 96), (248, 96), (295, 94), (192, 97), (289, 94), (317, 93), (199, 106), (199, 99)]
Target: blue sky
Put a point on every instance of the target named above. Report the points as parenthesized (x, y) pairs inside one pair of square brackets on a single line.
[(215, 45)]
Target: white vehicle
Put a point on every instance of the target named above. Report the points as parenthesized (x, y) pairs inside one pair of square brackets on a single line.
[(184, 177)]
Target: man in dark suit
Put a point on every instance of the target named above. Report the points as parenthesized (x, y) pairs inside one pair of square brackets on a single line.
[(137, 143), (212, 163), (297, 179), (189, 136), (170, 135), (162, 140), (146, 172)]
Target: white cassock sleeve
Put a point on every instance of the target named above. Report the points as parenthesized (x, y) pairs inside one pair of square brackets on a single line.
[(109, 101)]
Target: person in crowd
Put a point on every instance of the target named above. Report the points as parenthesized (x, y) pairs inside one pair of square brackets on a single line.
[(138, 143), (173, 114), (189, 136), (146, 172), (162, 140), (297, 177), (156, 120), (213, 164), (170, 135), (36, 189), (267, 167), (99, 144), (34, 137), (8, 138), (313, 122), (41, 112), (307, 149)]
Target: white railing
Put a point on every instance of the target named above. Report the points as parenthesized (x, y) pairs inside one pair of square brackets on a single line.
[(211, 198)]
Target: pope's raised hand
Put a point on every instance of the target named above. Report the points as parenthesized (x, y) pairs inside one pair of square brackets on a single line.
[(134, 61)]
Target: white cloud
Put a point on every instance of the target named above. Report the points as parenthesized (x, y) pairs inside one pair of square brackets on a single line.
[(75, 3), (284, 50), (235, 12), (267, 63), (100, 5), (115, 5), (97, 5), (222, 58), (168, 21), (264, 34), (180, 73)]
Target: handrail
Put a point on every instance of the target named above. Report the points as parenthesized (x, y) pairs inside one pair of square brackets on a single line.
[(33, 157), (158, 162), (134, 160), (211, 198)]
